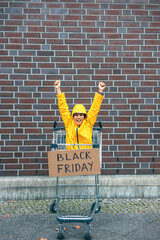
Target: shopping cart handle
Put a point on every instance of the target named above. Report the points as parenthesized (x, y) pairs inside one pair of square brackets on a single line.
[(55, 124), (57, 128), (54, 145), (100, 124), (95, 145), (98, 128)]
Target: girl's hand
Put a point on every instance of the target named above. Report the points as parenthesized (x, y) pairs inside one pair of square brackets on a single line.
[(57, 85), (101, 86)]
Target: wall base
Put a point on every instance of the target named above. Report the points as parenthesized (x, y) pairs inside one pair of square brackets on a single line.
[(111, 186)]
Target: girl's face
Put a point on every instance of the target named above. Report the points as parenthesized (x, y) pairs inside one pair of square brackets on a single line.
[(78, 118)]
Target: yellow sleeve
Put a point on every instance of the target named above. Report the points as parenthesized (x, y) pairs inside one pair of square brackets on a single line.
[(63, 108), (94, 109)]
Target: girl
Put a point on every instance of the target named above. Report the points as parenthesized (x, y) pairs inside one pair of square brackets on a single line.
[(79, 123)]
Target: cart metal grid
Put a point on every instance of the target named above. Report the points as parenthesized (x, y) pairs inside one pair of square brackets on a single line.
[(78, 206)]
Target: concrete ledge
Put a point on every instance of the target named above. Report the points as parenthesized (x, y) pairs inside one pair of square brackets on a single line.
[(111, 186)]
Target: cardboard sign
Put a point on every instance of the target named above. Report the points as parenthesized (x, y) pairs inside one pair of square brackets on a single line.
[(74, 162)]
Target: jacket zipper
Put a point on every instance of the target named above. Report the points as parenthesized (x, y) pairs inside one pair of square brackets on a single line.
[(77, 136)]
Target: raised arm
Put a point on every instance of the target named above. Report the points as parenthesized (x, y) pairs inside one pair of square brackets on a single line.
[(62, 104), (95, 107)]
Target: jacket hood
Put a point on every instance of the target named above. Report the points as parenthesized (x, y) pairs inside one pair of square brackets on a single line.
[(79, 108)]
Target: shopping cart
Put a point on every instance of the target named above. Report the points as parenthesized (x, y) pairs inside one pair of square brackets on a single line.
[(76, 202)]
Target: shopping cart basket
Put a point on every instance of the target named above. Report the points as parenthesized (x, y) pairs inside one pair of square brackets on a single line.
[(76, 202)]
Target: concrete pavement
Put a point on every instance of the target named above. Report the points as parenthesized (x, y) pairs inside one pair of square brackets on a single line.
[(119, 219)]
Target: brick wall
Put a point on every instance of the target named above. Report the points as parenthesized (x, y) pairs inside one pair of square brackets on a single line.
[(80, 42)]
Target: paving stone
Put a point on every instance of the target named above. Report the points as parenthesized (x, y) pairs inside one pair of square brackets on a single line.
[(108, 206), (119, 219)]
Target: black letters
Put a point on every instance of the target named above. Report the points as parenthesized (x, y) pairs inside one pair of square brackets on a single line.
[(59, 157), (67, 168), (72, 167), (67, 157), (75, 156), (82, 157), (84, 167), (77, 167), (87, 155), (59, 167), (91, 164), (79, 162)]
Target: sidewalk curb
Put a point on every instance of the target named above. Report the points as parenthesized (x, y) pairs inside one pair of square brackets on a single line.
[(111, 186)]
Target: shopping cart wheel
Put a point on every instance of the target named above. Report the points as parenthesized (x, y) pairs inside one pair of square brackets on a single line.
[(60, 232), (87, 235), (53, 207), (97, 210)]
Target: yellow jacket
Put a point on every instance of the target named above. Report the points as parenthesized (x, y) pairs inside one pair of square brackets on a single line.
[(79, 134)]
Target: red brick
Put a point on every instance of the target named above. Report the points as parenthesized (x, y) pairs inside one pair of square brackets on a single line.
[(122, 154), (8, 173), (12, 46), (28, 113), (5, 130), (7, 160), (108, 171), (9, 28), (3, 4), (126, 171), (16, 22), (72, 18), (3, 40), (90, 18), (42, 172), (131, 165), (125, 159), (6, 119), (6, 155), (87, 24), (54, 17), (15, 167), (122, 130), (33, 83), (112, 165), (27, 173), (35, 5), (73, 5)]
